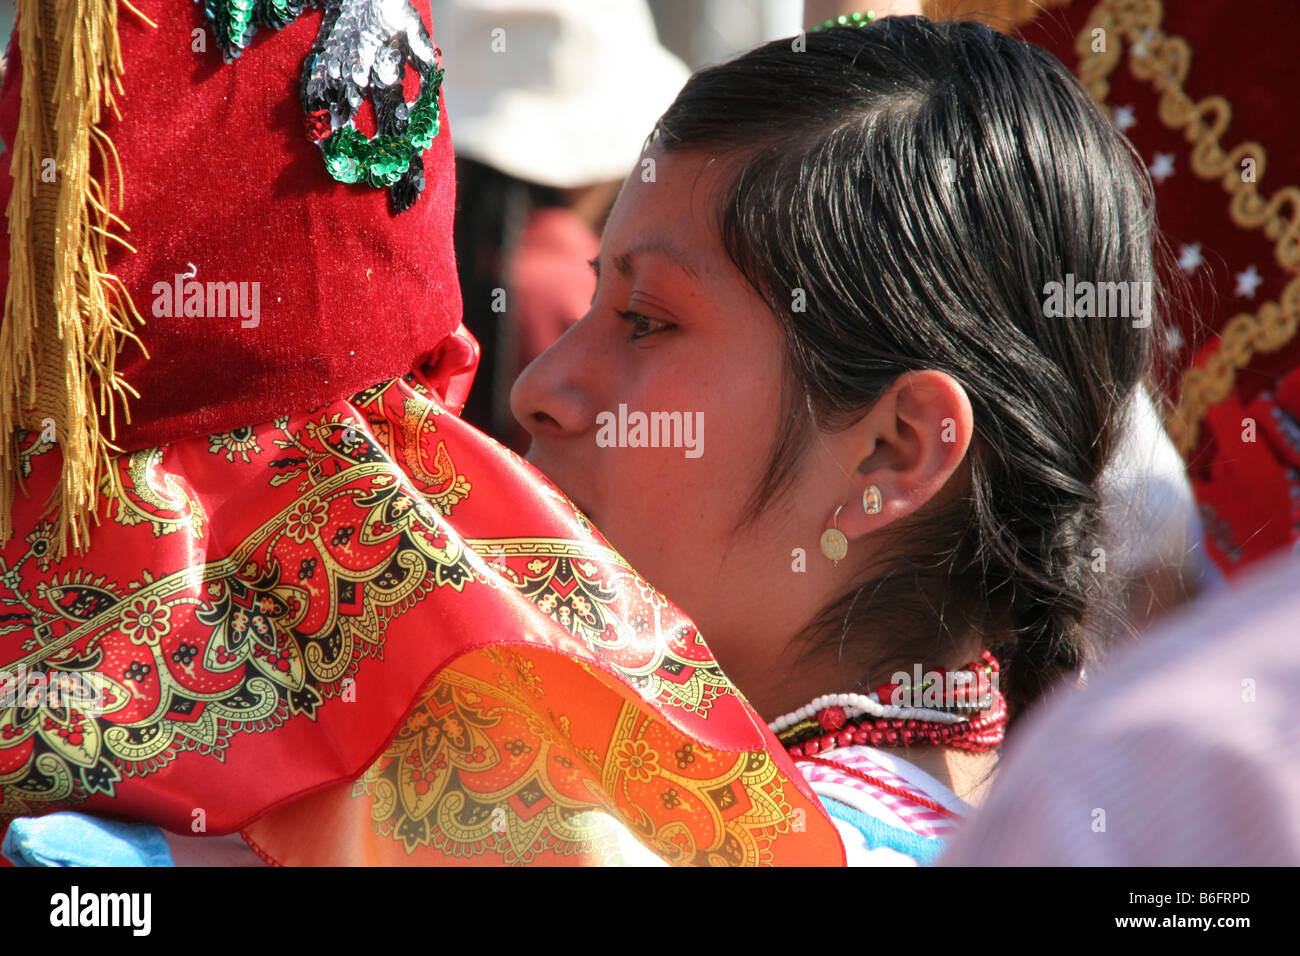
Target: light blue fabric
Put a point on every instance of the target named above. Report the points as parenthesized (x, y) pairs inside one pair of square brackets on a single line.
[(75, 839), (925, 850)]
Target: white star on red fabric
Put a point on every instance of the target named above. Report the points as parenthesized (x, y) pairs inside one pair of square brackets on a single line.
[(1248, 282), (1162, 167), (1124, 118), (1189, 257)]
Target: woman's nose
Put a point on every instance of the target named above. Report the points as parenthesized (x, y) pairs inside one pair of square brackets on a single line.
[(553, 397)]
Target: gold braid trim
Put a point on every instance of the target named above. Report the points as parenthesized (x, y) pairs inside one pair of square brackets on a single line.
[(65, 317), (1164, 63)]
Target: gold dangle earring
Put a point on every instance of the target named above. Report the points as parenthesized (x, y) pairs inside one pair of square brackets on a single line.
[(872, 501), (834, 545)]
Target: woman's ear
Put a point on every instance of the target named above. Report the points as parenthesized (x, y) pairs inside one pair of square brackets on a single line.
[(910, 443)]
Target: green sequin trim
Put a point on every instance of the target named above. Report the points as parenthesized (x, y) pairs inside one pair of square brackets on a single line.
[(233, 21), (352, 158), (850, 20)]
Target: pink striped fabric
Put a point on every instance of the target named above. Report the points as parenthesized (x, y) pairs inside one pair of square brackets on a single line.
[(920, 819)]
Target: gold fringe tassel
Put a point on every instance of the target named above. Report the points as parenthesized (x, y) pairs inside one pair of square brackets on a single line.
[(65, 317)]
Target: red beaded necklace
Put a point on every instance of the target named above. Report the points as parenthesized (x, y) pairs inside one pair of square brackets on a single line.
[(830, 727)]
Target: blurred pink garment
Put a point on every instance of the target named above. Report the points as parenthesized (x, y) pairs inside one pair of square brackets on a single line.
[(551, 285), (1185, 752)]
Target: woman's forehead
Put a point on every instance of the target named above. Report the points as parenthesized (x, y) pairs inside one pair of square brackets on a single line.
[(666, 209)]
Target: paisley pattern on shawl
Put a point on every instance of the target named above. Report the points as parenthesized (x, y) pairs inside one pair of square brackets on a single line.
[(371, 621)]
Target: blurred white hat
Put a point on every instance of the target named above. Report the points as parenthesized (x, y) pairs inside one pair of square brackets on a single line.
[(558, 92)]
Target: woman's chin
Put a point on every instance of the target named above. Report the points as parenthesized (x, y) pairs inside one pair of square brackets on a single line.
[(539, 462)]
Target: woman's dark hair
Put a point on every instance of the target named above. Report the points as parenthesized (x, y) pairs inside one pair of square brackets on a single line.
[(919, 184)]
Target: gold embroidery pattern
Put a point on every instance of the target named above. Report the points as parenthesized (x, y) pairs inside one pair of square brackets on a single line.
[(578, 586), (240, 644), (477, 770), (1164, 61), (139, 490), (342, 543)]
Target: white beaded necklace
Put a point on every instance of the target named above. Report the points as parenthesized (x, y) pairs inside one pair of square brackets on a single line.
[(857, 705)]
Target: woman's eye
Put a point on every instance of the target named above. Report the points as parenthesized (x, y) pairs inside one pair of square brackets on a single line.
[(642, 325)]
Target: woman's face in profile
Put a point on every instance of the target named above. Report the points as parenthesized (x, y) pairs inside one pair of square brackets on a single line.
[(675, 329)]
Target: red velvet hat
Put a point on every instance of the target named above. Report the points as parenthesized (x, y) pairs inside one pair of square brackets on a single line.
[(288, 214)]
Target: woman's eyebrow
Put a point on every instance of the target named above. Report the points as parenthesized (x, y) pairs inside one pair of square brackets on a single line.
[(623, 261)]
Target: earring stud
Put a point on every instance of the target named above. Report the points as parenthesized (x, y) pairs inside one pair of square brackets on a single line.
[(834, 545), (872, 501)]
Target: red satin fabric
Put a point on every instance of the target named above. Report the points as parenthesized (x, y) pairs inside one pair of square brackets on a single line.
[(368, 634)]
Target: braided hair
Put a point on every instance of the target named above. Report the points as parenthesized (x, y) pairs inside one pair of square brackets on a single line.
[(922, 183)]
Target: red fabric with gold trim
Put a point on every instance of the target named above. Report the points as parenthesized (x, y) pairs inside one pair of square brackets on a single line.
[(218, 173), (1199, 88), (394, 634)]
